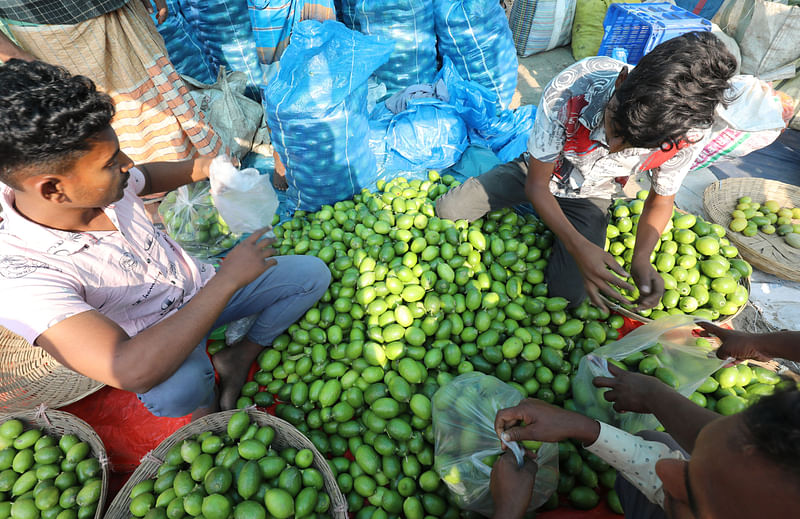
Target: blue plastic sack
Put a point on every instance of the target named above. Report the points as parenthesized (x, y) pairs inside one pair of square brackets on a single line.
[(505, 132), (409, 24), (476, 104), (186, 53), (507, 135), (223, 27), (476, 36), (428, 134), (316, 108)]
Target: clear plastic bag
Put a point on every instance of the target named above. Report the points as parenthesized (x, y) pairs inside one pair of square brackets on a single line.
[(466, 442), (245, 198), (191, 219), (681, 361)]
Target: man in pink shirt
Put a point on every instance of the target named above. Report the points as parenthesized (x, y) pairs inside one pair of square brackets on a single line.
[(85, 275)]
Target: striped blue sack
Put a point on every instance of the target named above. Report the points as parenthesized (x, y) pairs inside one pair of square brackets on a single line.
[(409, 24), (186, 53), (540, 25), (475, 35), (223, 28)]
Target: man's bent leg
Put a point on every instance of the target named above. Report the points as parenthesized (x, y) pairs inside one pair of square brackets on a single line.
[(280, 296), (634, 503), (500, 187), (191, 387), (297, 283), (590, 218)]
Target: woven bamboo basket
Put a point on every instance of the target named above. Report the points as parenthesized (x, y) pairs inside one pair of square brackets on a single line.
[(29, 376), (630, 314), (59, 423), (286, 435), (769, 253)]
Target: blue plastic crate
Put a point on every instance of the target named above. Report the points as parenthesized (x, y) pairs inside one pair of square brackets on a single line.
[(638, 28)]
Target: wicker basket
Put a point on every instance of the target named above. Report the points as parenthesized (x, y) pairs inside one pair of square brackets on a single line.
[(60, 423), (636, 317), (286, 435), (769, 253), (30, 376)]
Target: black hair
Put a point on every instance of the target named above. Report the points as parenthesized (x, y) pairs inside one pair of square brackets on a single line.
[(773, 427), (672, 89), (48, 117)]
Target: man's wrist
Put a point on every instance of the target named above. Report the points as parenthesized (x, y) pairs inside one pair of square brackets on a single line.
[(585, 429)]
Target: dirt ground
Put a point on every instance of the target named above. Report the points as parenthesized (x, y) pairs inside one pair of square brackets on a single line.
[(534, 72)]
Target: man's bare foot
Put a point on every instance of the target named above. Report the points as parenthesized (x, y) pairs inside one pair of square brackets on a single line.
[(279, 177), (232, 365), (204, 411), (279, 181)]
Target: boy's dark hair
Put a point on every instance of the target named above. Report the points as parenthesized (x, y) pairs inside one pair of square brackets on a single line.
[(672, 89), (773, 427), (48, 117)]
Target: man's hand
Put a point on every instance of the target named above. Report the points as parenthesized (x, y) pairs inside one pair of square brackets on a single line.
[(161, 8), (739, 345), (599, 269), (512, 486), (533, 419), (649, 282), (249, 259), (632, 392)]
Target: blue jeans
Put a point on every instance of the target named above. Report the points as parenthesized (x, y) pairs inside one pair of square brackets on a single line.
[(280, 296)]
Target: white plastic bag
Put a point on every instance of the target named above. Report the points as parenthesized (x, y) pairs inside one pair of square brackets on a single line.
[(466, 442), (680, 359), (244, 198), (755, 106)]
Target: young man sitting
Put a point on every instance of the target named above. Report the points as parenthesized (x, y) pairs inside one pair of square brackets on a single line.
[(86, 275), (597, 125)]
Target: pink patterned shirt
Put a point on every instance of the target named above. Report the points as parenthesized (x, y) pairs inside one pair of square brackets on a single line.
[(135, 276)]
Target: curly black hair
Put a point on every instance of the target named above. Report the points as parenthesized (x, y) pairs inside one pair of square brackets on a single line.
[(773, 427), (48, 117), (674, 88)]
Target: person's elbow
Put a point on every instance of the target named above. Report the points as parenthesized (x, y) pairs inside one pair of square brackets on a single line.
[(135, 374)]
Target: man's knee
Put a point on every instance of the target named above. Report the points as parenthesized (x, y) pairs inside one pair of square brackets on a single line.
[(461, 201), (188, 389), (313, 274), (564, 278)]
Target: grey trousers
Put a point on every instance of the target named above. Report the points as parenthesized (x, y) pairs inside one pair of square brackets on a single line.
[(634, 503), (504, 186)]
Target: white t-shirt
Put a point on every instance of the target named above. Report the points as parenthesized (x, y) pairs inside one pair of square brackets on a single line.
[(136, 275), (569, 131)]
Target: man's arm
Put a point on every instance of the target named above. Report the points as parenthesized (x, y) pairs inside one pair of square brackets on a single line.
[(95, 346), (8, 50), (168, 176), (758, 346), (657, 212), (595, 264), (633, 456), (634, 392), (511, 486)]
